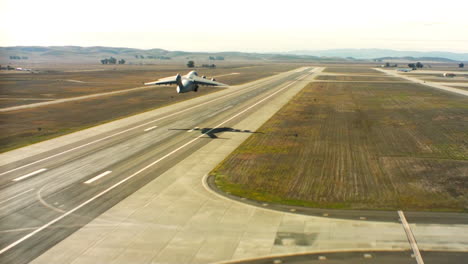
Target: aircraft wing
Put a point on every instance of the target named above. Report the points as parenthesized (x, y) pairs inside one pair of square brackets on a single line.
[(208, 82), (164, 81)]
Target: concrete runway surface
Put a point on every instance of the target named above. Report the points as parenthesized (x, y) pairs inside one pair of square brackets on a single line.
[(135, 191)]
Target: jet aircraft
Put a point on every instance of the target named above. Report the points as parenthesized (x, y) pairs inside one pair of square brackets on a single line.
[(405, 70), (187, 83)]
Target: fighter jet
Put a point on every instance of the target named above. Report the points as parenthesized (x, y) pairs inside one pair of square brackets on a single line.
[(187, 83)]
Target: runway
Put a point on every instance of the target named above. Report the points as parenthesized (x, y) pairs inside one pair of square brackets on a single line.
[(51, 189), (135, 191)]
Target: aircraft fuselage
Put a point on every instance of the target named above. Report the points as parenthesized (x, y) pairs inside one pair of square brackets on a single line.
[(186, 84)]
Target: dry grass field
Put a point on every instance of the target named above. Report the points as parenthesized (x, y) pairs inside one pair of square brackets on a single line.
[(27, 126), (352, 70), (445, 67), (356, 78), (358, 146), (24, 127), (52, 83)]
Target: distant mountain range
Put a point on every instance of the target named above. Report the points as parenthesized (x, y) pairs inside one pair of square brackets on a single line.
[(382, 53), (433, 59), (91, 54)]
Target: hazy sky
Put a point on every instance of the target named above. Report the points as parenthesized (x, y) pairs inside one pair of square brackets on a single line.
[(242, 25)]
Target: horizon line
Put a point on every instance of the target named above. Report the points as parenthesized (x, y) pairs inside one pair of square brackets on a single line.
[(260, 52)]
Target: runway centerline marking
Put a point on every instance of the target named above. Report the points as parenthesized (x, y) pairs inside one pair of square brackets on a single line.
[(150, 128), (129, 129), (19, 194), (411, 239), (97, 177), (5, 249), (29, 174)]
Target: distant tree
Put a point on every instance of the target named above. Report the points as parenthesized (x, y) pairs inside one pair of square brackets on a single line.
[(112, 60), (142, 57), (461, 65), (191, 64), (219, 58), (136, 56), (419, 65), (24, 58), (412, 66), (122, 61), (211, 58), (208, 65), (387, 64)]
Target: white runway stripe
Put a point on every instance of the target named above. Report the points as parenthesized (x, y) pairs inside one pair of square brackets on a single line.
[(97, 177), (150, 128), (30, 174)]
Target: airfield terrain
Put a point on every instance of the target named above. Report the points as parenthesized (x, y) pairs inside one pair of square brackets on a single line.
[(137, 189), (378, 143), (64, 81), (460, 81), (29, 125)]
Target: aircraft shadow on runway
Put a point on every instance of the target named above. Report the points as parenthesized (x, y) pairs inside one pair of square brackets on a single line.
[(211, 132)]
